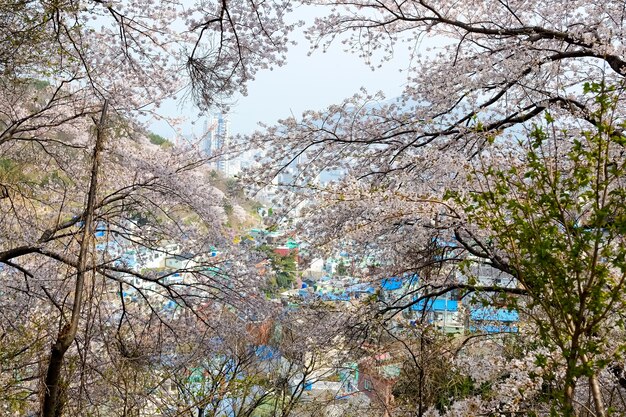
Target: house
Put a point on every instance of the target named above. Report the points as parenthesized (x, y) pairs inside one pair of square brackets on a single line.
[(493, 320), (443, 313), (496, 318), (377, 375), (180, 261), (315, 270), (481, 274)]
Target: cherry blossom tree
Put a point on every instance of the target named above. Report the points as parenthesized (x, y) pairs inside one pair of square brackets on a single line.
[(502, 68), (76, 163), (558, 229)]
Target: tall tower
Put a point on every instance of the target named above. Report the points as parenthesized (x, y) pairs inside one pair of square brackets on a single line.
[(215, 139), (221, 140)]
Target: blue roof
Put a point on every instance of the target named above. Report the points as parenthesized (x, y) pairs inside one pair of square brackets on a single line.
[(361, 288), (438, 304), (391, 284), (335, 297), (494, 328), (265, 352), (446, 243), (491, 314), (412, 279)]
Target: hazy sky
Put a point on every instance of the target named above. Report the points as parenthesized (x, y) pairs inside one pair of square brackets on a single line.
[(305, 82), (312, 82)]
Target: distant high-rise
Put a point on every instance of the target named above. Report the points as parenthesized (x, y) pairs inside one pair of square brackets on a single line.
[(215, 139)]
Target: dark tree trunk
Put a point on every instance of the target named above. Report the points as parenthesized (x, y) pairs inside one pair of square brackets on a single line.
[(52, 405)]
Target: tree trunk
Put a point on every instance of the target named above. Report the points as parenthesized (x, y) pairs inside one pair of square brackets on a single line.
[(51, 406), (568, 410), (597, 395), (569, 389)]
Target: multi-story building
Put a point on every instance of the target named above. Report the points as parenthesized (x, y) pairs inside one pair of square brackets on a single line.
[(216, 137), (498, 317)]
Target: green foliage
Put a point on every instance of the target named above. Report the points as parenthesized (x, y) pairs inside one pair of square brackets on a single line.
[(559, 219), (9, 168), (228, 208), (159, 140), (284, 268), (40, 84), (342, 268)]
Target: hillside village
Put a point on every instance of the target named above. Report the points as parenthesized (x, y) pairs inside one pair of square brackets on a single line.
[(344, 380), (312, 208)]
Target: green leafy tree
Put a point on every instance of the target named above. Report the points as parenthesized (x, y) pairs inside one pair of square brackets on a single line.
[(159, 140), (284, 267), (342, 268), (553, 215)]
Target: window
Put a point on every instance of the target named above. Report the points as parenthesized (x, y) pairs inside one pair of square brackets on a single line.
[(367, 385)]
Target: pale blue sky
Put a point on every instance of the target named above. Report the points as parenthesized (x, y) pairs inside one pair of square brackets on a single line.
[(312, 82), (305, 82)]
